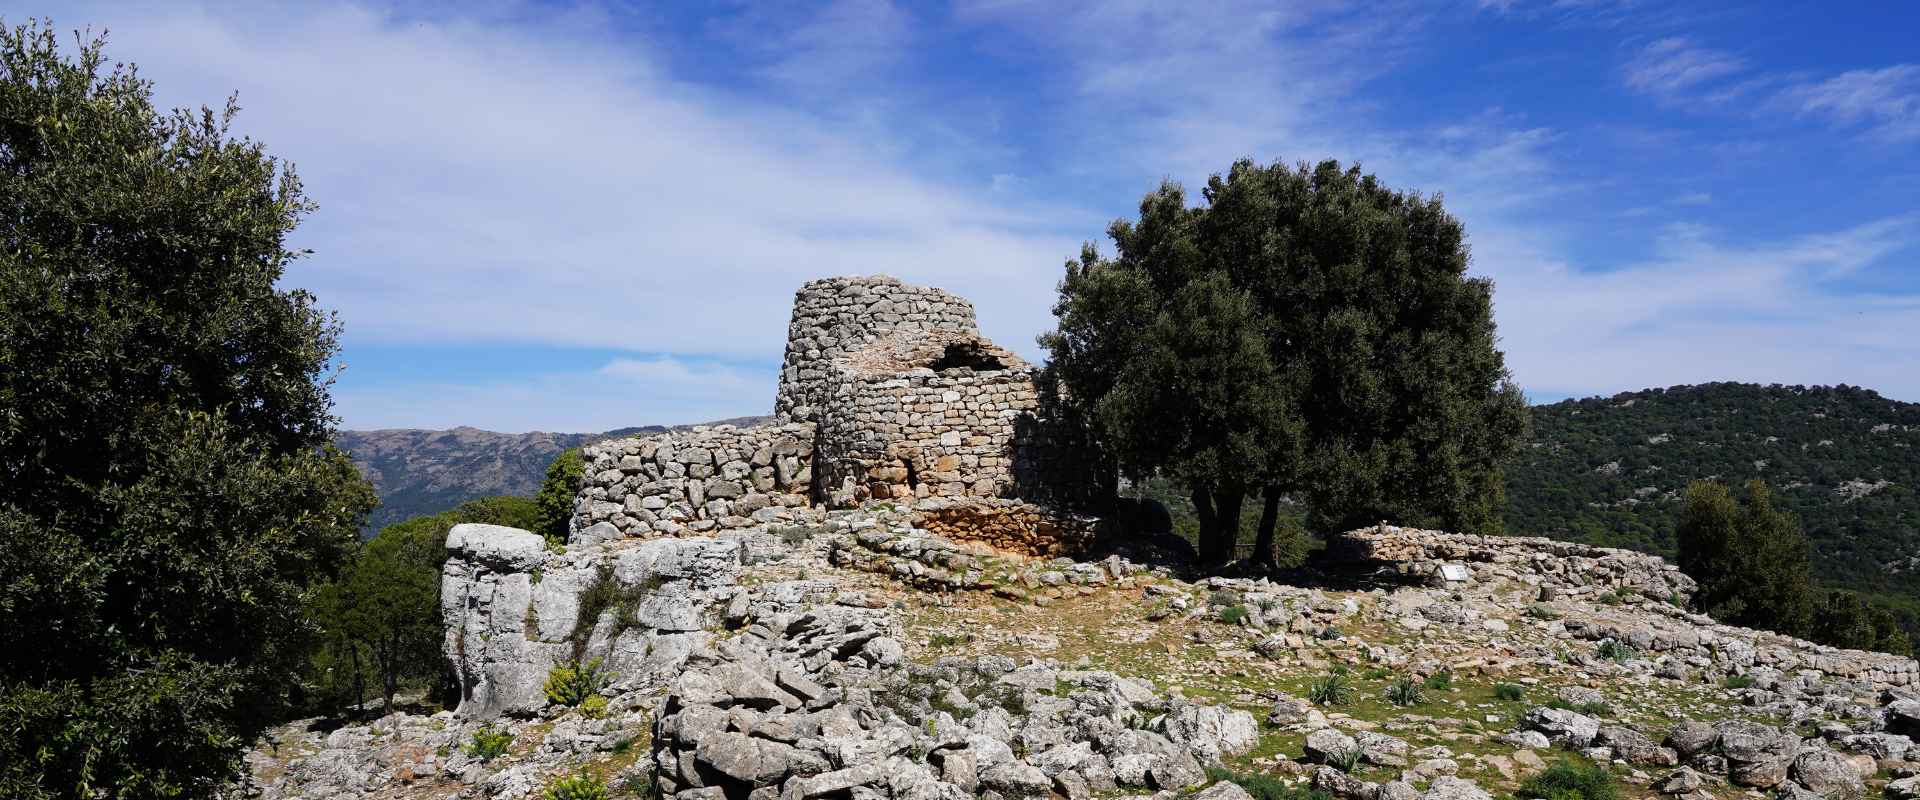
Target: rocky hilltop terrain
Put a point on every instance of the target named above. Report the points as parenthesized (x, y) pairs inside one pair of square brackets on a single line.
[(916, 583), (854, 656)]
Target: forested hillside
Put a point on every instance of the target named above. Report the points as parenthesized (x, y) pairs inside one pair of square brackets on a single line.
[(1841, 459)]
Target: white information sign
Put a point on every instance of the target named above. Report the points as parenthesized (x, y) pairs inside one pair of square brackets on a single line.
[(1453, 572)]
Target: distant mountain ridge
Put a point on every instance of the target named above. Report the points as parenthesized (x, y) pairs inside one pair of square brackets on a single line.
[(1842, 459), (420, 472)]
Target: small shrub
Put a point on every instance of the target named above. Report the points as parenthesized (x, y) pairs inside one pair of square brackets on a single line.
[(584, 787), (1376, 674), (943, 640), (1331, 690), (1223, 598), (1595, 709), (1340, 669), (795, 536), (1233, 615), (1627, 590), (1509, 692), (639, 784), (1615, 650), (1348, 760), (1406, 692), (1541, 611), (1610, 598), (594, 707), (621, 746), (570, 684), (1565, 780), (1439, 680), (1561, 704), (1737, 683), (489, 744), (1330, 633), (1261, 786)]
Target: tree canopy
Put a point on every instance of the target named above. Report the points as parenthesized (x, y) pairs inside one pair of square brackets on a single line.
[(1307, 331), (168, 494), (1750, 559)]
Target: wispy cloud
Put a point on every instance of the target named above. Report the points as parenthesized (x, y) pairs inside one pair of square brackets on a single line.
[(1886, 99), (1704, 309), (1671, 68)]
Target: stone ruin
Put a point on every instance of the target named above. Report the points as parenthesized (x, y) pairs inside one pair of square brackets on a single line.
[(888, 393)]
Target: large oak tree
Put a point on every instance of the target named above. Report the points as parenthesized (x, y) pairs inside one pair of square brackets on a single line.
[(169, 499), (1305, 332)]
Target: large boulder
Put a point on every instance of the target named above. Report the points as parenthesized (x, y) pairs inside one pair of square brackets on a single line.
[(1447, 787), (1211, 732), (1568, 729), (1014, 779), (1329, 746), (1692, 738), (1826, 772)]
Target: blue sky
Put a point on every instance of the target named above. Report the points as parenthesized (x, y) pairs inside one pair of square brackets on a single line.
[(577, 217)]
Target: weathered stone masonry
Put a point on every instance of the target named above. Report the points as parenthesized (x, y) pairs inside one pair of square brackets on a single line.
[(888, 393), (835, 317)]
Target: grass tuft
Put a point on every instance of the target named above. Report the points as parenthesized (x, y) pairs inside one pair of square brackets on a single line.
[(1509, 692), (1331, 690), (1566, 780), (1406, 692)]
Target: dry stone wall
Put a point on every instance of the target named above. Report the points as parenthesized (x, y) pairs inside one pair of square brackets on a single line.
[(834, 317), (697, 481), (1570, 569)]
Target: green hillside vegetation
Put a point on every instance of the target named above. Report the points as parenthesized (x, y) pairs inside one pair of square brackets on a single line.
[(1839, 460), (381, 622)]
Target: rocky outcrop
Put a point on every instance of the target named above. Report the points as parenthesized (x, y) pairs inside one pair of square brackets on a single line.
[(512, 610), (1571, 570)]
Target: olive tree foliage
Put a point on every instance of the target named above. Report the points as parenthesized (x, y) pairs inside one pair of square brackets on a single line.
[(1749, 559), (1306, 331), (168, 494)]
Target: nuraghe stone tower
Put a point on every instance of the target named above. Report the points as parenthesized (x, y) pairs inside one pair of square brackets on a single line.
[(888, 393)]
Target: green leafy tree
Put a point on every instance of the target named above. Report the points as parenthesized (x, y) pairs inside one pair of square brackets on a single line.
[(382, 619), (555, 500), (1844, 621), (386, 607), (1305, 332), (168, 496), (1749, 559)]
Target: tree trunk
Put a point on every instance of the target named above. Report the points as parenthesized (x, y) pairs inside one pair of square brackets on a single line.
[(1263, 552), (1203, 508), (1226, 518)]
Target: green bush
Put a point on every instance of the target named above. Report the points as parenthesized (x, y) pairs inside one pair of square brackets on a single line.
[(1737, 682), (1233, 615), (1561, 704), (1375, 674), (1610, 599), (1509, 692), (1331, 690), (1263, 786), (570, 684), (1406, 692), (1439, 680), (795, 536), (1615, 650), (583, 787), (488, 743), (943, 640), (594, 707), (1330, 633), (555, 499), (1223, 598), (1541, 611), (1595, 709), (1565, 780)]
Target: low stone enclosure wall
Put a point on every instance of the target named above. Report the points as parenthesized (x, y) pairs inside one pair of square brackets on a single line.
[(1568, 568), (1571, 571), (706, 479)]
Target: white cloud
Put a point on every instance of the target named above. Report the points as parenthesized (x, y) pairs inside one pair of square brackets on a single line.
[(538, 185), (1703, 310), (1669, 68), (660, 390), (1888, 99), (671, 376)]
